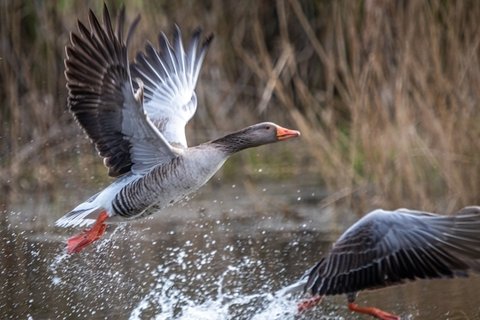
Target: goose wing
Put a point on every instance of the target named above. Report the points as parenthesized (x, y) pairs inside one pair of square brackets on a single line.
[(169, 76), (102, 99), (387, 247)]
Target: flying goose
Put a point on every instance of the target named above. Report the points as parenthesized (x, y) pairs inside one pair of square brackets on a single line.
[(141, 133), (385, 248)]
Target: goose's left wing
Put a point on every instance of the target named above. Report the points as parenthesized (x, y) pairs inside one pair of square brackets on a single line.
[(169, 76), (103, 102)]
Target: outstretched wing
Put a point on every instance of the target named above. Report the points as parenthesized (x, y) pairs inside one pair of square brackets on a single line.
[(387, 247), (102, 99), (169, 76)]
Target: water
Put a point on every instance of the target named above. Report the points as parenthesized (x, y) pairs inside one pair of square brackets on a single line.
[(222, 255)]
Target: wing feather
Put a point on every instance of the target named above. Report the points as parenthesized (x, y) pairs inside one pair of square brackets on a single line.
[(102, 100), (388, 247), (170, 75)]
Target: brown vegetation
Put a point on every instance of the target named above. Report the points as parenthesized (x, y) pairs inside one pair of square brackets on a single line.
[(386, 93)]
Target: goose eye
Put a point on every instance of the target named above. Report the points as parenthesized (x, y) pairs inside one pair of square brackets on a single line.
[(267, 127)]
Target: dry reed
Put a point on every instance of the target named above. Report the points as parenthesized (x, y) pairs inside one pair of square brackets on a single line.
[(385, 92)]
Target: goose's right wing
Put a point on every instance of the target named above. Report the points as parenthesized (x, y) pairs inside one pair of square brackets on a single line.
[(170, 75)]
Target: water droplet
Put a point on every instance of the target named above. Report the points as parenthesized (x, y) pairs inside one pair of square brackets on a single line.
[(56, 280)]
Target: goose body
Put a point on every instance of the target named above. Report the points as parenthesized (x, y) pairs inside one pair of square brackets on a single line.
[(133, 196), (385, 248), (168, 183), (136, 116)]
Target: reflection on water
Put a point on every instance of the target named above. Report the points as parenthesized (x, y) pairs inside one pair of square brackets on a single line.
[(220, 256)]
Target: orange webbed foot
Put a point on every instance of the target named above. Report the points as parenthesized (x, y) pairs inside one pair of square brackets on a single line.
[(375, 312), (79, 242), (308, 303)]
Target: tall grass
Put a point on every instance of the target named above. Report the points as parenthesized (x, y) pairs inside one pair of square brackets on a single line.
[(385, 93)]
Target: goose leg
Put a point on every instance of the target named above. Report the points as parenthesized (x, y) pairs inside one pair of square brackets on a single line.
[(377, 313), (309, 303), (79, 242)]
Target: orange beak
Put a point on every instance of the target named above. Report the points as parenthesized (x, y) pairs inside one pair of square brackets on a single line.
[(284, 133)]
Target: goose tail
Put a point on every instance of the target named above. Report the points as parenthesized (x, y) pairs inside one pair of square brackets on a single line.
[(294, 288), (83, 215)]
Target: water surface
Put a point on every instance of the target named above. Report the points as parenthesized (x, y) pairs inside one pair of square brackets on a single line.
[(221, 255)]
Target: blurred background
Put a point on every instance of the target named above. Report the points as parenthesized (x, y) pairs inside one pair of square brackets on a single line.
[(386, 94)]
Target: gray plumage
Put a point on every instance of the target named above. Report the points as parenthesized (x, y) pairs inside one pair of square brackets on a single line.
[(136, 116), (388, 247)]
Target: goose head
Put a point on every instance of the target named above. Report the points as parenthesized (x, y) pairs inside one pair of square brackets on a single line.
[(254, 136)]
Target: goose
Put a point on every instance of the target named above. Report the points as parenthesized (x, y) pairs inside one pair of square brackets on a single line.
[(385, 248), (136, 115)]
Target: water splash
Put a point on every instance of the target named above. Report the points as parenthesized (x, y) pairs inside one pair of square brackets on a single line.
[(61, 259), (168, 301)]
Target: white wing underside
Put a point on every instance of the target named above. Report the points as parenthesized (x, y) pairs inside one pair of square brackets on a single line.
[(169, 76), (148, 145)]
